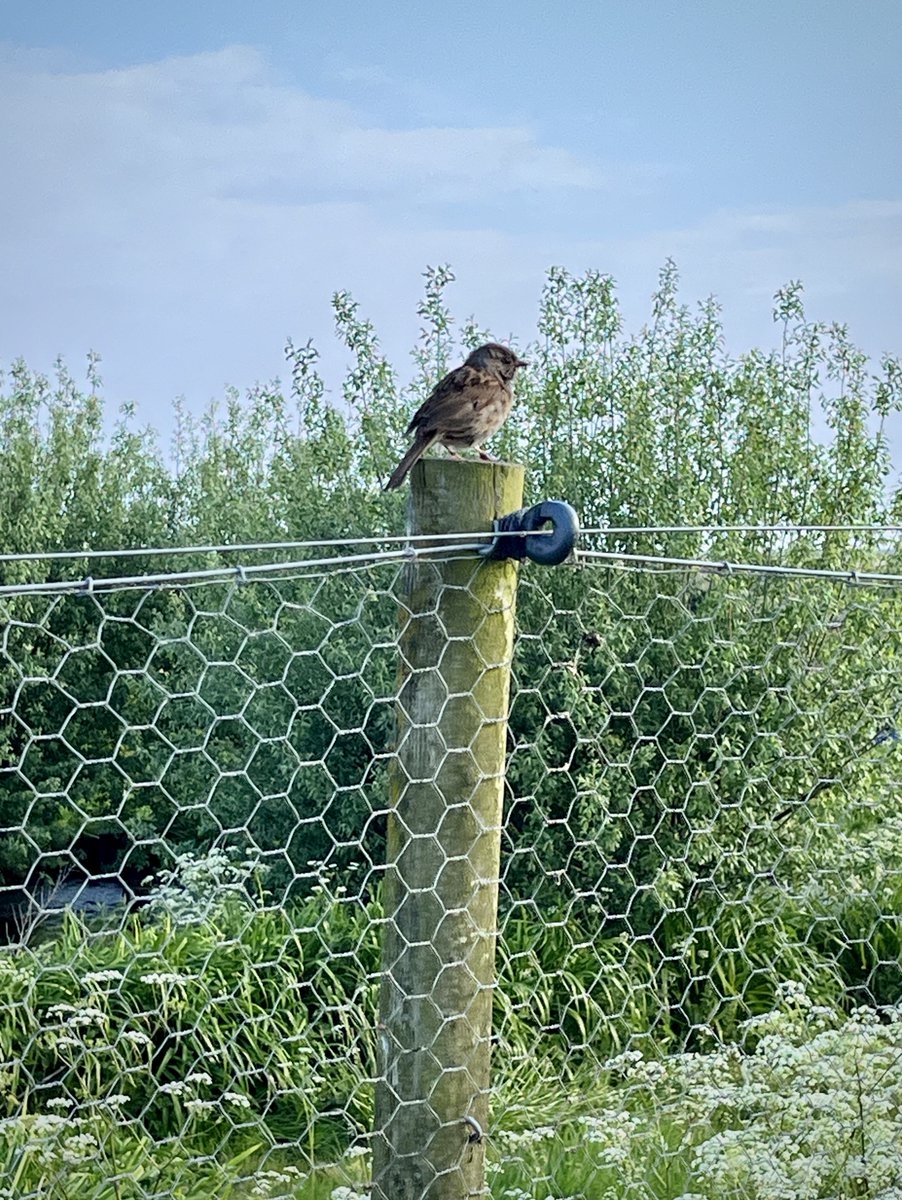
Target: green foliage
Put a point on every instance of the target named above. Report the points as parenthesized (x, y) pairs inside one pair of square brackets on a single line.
[(215, 1041), (155, 722), (211, 1018), (693, 771), (680, 735), (189, 1053), (807, 1108)]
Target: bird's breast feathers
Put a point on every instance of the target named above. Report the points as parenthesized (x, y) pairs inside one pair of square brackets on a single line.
[(465, 392)]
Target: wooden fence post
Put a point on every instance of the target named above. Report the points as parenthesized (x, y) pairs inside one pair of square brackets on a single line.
[(444, 838)]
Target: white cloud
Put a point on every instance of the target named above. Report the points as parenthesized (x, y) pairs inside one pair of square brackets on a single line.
[(365, 74), (201, 208), (183, 216), (217, 124)]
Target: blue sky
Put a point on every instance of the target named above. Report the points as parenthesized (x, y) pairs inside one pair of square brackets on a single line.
[(187, 184)]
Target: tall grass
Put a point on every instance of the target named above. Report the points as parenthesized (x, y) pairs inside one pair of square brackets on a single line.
[(213, 1036)]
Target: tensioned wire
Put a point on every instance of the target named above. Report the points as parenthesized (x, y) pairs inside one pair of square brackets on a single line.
[(453, 539), (406, 539), (307, 568), (725, 567), (239, 574), (620, 530)]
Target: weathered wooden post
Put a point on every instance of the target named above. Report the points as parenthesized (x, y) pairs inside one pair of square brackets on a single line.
[(444, 837)]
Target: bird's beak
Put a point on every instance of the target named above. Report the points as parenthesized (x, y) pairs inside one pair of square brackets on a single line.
[(521, 362)]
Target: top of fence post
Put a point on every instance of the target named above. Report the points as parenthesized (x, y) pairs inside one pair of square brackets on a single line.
[(456, 496)]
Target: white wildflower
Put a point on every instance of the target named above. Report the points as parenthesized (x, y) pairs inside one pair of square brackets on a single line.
[(47, 1123), (136, 1037), (78, 1147), (109, 976), (624, 1062), (81, 1018), (527, 1137)]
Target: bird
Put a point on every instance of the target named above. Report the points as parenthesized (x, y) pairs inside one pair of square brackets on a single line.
[(464, 408)]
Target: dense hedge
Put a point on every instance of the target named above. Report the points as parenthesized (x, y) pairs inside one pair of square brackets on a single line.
[(661, 721)]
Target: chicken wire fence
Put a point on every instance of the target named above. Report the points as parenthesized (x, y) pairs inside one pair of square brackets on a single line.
[(697, 975)]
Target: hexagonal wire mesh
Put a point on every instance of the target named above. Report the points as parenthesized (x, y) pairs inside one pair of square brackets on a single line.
[(698, 952)]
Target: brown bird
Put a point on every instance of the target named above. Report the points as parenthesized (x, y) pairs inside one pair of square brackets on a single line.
[(465, 408)]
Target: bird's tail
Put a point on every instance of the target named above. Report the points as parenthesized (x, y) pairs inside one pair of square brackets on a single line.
[(417, 450)]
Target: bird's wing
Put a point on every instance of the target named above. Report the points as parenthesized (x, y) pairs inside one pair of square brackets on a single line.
[(448, 408)]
